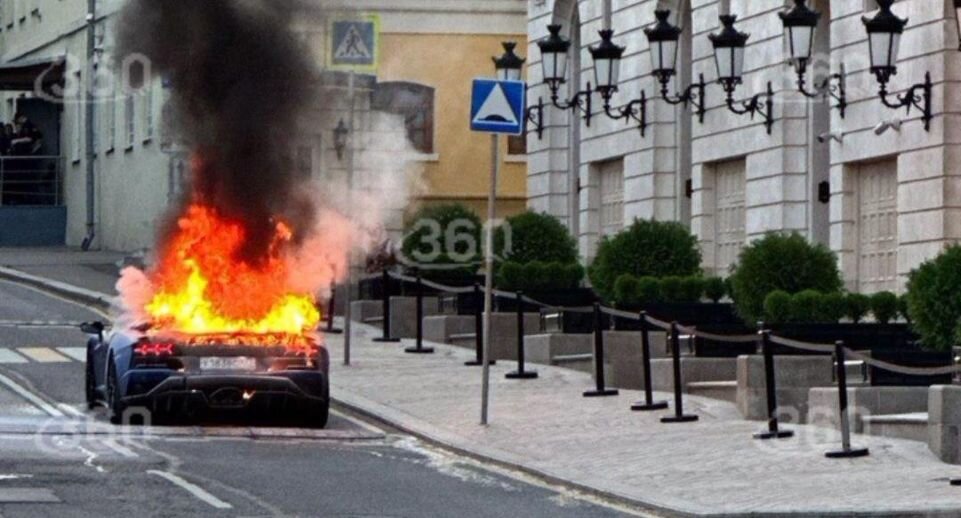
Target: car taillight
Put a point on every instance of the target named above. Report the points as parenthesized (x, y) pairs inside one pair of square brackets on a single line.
[(152, 349)]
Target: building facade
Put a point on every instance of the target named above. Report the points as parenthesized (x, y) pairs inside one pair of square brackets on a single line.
[(873, 185)]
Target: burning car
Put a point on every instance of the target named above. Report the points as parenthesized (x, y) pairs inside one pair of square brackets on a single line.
[(136, 370)]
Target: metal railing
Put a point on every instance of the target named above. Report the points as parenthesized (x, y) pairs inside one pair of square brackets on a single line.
[(31, 181)]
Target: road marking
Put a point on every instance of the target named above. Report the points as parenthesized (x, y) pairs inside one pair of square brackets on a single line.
[(31, 397), (70, 410), (120, 449), (195, 490), (43, 355), (8, 356), (77, 353)]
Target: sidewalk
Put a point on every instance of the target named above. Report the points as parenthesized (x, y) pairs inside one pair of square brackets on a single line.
[(709, 468)]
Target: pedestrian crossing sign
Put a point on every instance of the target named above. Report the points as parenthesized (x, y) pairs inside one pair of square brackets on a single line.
[(353, 44), (498, 106)]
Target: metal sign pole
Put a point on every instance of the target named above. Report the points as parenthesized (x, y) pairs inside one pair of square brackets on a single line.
[(350, 190), (489, 274)]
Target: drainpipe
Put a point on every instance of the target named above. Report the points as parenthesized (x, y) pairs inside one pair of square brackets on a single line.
[(607, 14), (90, 112)]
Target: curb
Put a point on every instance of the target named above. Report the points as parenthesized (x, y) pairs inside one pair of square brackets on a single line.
[(100, 301)]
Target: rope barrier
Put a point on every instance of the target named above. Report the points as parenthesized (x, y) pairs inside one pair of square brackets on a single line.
[(621, 314), (899, 369), (804, 346), (658, 323)]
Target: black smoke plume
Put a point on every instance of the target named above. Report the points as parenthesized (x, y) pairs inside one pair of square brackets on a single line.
[(239, 78)]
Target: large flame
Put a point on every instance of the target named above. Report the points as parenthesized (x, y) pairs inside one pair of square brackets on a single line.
[(200, 287)]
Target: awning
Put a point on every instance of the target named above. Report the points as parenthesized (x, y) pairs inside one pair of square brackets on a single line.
[(25, 74)]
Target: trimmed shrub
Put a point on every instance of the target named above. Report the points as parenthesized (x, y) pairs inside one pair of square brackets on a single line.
[(934, 302), (806, 307), (649, 290), (777, 307), (538, 276), (715, 289), (444, 241), (903, 307), (510, 276), (692, 289), (786, 262), (672, 289), (627, 291), (858, 306), (884, 305), (536, 237), (573, 275), (833, 307), (646, 248)]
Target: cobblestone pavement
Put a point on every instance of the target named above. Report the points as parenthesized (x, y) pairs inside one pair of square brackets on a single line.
[(713, 467)]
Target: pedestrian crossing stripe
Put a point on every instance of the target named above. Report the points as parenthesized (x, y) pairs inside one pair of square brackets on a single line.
[(43, 355), (77, 353), (7, 356), (23, 355)]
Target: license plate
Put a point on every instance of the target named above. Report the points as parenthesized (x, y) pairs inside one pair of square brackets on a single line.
[(228, 364)]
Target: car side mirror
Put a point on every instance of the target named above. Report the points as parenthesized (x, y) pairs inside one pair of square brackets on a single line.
[(93, 328)]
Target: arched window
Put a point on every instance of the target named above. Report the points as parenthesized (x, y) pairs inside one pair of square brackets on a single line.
[(415, 103)]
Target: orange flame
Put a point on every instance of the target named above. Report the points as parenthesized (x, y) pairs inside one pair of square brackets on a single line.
[(201, 288)]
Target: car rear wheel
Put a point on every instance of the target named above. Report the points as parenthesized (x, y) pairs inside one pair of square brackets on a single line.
[(115, 405), (318, 415), (90, 386)]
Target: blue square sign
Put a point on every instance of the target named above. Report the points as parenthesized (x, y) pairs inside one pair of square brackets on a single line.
[(498, 106)]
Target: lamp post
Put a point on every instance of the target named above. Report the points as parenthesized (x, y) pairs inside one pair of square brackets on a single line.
[(884, 39), (800, 24), (554, 61), (664, 39), (509, 67), (729, 45), (607, 71), (957, 19), (340, 139)]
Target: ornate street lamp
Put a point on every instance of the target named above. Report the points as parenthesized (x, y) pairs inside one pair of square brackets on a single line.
[(554, 60), (509, 67), (663, 38), (884, 39), (800, 24), (340, 139), (729, 46), (607, 68)]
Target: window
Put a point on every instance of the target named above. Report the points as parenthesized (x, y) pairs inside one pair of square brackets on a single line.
[(148, 118), (109, 118), (415, 103), (729, 214), (611, 176), (78, 128), (517, 145), (878, 226), (130, 118)]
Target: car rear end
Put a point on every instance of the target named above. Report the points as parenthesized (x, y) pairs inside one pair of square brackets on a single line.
[(172, 377)]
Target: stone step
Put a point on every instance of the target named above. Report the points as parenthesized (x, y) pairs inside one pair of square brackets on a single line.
[(913, 426), (577, 362), (374, 320), (722, 390)]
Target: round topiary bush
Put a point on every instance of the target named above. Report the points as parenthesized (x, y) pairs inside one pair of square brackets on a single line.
[(444, 241), (884, 306), (833, 307), (934, 303), (538, 276), (715, 289), (806, 307), (535, 237), (858, 306), (692, 289), (645, 249), (672, 289), (777, 307), (786, 262)]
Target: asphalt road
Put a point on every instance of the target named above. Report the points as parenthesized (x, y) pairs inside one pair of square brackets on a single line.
[(58, 459)]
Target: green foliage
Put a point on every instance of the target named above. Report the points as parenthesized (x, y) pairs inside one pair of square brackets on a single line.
[(627, 289), (833, 307), (443, 240), (786, 262), (903, 307), (539, 276), (715, 289), (649, 290), (858, 305), (646, 248), (535, 237), (692, 289), (777, 307), (884, 305), (934, 300), (672, 289), (806, 307)]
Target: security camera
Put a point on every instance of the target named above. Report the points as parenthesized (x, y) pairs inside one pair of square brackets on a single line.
[(836, 136), (883, 127)]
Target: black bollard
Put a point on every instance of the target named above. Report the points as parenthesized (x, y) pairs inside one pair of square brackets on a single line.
[(846, 452), (331, 330), (679, 416), (600, 390), (419, 347), (520, 373), (386, 298), (478, 329), (773, 431), (648, 404)]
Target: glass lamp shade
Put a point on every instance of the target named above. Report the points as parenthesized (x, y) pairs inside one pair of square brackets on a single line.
[(554, 51), (607, 63), (729, 52), (800, 24), (663, 39), (884, 39), (509, 65)]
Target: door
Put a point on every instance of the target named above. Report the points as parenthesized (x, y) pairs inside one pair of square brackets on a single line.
[(612, 197), (729, 214), (877, 185)]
